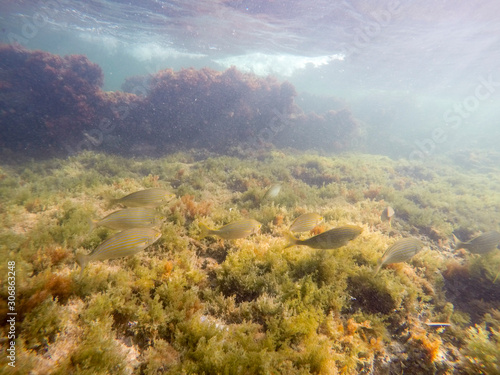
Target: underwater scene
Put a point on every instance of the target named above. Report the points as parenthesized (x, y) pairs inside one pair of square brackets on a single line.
[(249, 187)]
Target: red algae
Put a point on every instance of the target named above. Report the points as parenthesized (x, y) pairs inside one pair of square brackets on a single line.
[(45, 96), (206, 108), (53, 105), (49, 100)]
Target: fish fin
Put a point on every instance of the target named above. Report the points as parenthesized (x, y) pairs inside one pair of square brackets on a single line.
[(113, 202), (496, 277), (205, 231), (379, 266), (82, 261), (109, 199), (291, 239)]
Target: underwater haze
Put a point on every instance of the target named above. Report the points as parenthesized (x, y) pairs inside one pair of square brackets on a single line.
[(421, 76), (250, 187)]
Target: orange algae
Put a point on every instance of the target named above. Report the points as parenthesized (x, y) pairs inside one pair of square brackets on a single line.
[(318, 229), (278, 220), (373, 192), (430, 345), (190, 208), (47, 285)]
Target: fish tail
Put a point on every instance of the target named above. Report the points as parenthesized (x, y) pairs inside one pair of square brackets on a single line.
[(379, 266), (82, 261), (291, 240), (92, 224), (205, 231), (456, 242)]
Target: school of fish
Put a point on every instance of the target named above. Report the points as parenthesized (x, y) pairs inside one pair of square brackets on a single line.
[(136, 223), (139, 219)]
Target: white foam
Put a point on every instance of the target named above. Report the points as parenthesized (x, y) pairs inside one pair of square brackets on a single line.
[(153, 51), (110, 43), (283, 65), (143, 52)]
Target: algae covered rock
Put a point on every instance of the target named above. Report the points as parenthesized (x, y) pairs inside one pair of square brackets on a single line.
[(249, 304)]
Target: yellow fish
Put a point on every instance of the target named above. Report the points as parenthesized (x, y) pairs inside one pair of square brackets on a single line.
[(387, 214), (400, 251), (482, 244), (145, 198), (136, 217), (238, 229), (272, 192), (331, 239), (128, 242), (306, 222)]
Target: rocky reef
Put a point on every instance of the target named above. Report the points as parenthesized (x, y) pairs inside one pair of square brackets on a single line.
[(54, 105), (47, 101)]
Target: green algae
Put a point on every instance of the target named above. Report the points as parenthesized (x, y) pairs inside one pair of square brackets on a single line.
[(42, 324), (98, 352), (249, 305), (482, 350)]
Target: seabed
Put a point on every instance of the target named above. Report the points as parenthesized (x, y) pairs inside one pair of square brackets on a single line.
[(250, 306)]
